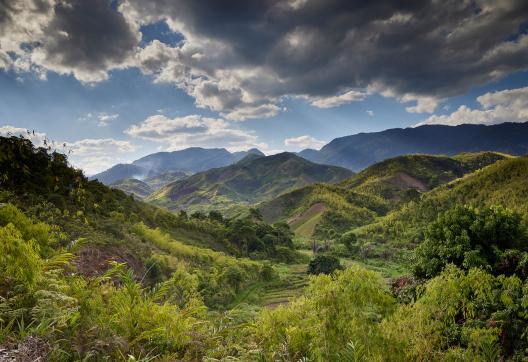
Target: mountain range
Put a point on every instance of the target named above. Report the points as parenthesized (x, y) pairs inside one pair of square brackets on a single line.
[(361, 150), (189, 160)]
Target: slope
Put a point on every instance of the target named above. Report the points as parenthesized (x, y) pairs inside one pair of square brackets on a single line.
[(502, 183), (373, 192), (251, 180)]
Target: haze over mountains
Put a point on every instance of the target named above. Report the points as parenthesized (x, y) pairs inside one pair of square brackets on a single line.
[(189, 160)]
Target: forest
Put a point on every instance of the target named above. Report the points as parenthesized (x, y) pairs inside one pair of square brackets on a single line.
[(387, 272)]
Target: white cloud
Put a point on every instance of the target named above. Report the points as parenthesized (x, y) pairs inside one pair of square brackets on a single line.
[(36, 138), (96, 155), (105, 118), (194, 130), (305, 141), (91, 155), (495, 107), (370, 113), (335, 101)]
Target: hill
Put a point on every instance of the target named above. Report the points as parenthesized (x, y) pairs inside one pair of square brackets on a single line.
[(251, 180), (359, 151), (134, 187), (108, 225), (145, 187), (371, 193), (189, 160), (502, 183)]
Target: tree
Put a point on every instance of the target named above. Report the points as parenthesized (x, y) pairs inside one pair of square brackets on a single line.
[(468, 237), (323, 264)]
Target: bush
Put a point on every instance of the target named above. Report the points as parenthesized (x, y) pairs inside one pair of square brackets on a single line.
[(323, 264)]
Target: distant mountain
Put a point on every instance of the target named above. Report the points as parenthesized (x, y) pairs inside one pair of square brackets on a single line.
[(373, 192), (359, 151), (189, 160), (251, 180)]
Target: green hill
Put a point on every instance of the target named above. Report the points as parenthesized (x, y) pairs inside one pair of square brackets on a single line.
[(371, 193), (249, 181), (502, 183), (38, 185)]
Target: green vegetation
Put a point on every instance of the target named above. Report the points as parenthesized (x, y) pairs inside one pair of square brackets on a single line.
[(134, 187), (88, 273), (372, 193), (251, 180)]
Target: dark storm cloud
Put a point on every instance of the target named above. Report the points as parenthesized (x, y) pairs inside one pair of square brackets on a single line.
[(88, 36), (240, 57), (436, 48)]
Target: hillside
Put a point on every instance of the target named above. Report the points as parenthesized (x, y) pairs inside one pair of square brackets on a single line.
[(109, 225), (359, 151), (145, 187), (373, 192), (251, 180), (189, 160), (134, 187), (502, 183)]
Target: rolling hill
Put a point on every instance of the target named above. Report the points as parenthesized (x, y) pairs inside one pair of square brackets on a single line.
[(502, 183), (359, 151), (251, 180), (373, 192), (189, 160)]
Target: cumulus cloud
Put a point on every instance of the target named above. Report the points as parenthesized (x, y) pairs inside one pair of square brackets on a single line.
[(495, 107), (305, 141), (83, 38), (194, 130), (242, 58)]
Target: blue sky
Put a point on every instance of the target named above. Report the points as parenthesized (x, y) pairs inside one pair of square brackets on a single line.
[(175, 85)]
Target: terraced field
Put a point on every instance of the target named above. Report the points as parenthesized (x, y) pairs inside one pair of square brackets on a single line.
[(293, 280)]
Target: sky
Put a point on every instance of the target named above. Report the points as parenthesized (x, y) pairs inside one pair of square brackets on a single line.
[(111, 81)]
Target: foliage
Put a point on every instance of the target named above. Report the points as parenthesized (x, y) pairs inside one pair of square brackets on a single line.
[(468, 238), (336, 311), (323, 264)]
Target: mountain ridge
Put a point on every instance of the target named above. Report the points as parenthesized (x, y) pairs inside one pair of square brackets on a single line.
[(361, 150), (190, 160)]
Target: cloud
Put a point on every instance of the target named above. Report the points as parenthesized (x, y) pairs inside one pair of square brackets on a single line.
[(370, 113), (334, 101), (36, 138), (194, 130), (105, 118), (83, 38), (495, 107), (303, 142), (91, 155), (96, 155), (241, 59), (250, 53)]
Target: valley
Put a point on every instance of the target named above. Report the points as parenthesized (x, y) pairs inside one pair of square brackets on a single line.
[(279, 241)]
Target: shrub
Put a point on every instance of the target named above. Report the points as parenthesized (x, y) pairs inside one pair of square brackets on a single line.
[(323, 264)]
